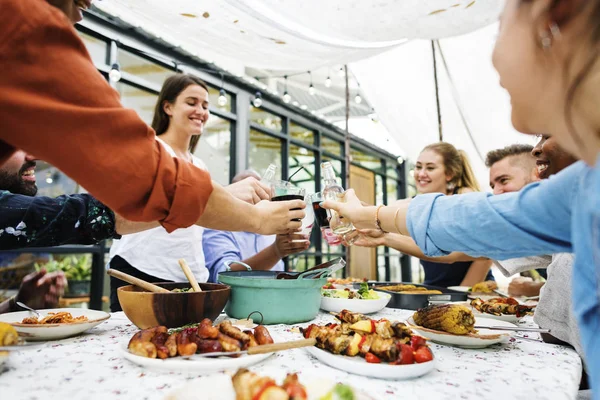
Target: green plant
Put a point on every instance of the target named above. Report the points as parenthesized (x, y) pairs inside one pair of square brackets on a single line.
[(76, 268)]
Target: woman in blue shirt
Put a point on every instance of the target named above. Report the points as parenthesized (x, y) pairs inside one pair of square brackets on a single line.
[(546, 55)]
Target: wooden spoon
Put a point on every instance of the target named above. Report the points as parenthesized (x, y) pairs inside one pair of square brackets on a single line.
[(135, 281), (188, 273)]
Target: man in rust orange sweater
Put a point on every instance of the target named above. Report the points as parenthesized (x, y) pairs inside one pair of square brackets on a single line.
[(56, 105)]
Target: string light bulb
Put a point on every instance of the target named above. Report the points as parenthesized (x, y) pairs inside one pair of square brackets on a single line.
[(257, 101), (311, 88), (286, 96), (341, 72), (373, 115), (222, 101), (357, 98), (328, 82), (49, 177), (115, 73)]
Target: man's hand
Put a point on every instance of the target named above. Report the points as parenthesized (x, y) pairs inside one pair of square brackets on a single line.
[(521, 286), (279, 216), (370, 238), (41, 289), (250, 190), (290, 244)]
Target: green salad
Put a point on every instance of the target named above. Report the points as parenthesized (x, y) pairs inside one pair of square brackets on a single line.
[(362, 294), (340, 392)]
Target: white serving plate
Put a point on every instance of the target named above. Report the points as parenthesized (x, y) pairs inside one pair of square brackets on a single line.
[(355, 305), (194, 363), (483, 338), (3, 358), (359, 366), (220, 387), (505, 317), (465, 289), (54, 331)]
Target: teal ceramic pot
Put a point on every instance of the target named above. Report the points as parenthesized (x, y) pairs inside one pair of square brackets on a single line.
[(280, 301)]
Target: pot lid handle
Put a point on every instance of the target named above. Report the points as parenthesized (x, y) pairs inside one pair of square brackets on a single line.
[(229, 262)]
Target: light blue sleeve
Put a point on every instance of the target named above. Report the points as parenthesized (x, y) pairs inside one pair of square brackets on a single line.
[(219, 246), (534, 221)]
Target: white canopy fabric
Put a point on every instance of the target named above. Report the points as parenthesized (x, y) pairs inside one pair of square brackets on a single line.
[(381, 40), (294, 35), (400, 86)]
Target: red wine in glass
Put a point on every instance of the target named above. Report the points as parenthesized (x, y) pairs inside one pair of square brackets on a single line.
[(286, 197), (320, 215)]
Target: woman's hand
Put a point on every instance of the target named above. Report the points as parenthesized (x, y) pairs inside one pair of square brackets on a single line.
[(279, 217), (250, 190), (352, 209), (290, 244), (370, 238)]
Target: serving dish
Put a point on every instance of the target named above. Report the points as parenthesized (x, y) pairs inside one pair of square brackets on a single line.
[(221, 387), (482, 338), (32, 332), (416, 301), (280, 301), (364, 306), (172, 309)]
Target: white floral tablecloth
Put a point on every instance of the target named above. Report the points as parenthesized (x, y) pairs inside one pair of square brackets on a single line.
[(91, 366)]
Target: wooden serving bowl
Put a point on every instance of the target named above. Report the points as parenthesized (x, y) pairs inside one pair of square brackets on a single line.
[(147, 309)]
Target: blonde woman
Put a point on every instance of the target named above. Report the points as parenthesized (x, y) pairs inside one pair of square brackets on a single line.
[(440, 168)]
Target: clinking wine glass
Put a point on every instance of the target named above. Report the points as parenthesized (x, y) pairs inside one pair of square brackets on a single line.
[(284, 191)]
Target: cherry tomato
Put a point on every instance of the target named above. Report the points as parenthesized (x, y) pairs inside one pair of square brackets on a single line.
[(372, 358), (417, 341), (406, 354), (423, 354)]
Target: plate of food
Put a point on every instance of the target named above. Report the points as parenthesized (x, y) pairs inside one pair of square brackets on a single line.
[(181, 349), (464, 289), (455, 325), (343, 283), (374, 348), (57, 323), (248, 385), (501, 308), (363, 300)]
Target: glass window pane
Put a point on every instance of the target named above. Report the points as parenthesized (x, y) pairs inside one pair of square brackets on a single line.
[(331, 146), (395, 269), (301, 133), (143, 68), (213, 98), (301, 262), (366, 160), (214, 148), (264, 150), (264, 118), (392, 190), (305, 178), (96, 47), (411, 187), (378, 189), (392, 172), (141, 101)]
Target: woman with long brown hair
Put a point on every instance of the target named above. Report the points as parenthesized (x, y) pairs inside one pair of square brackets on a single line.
[(440, 168), (547, 56), (180, 116)]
